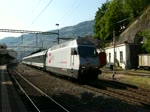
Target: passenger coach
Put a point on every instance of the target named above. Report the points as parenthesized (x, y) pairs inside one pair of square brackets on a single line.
[(36, 59)]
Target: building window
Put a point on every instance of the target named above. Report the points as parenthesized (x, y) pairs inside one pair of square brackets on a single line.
[(109, 57), (121, 57)]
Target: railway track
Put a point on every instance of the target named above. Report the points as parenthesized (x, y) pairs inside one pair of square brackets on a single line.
[(126, 93), (39, 101), (128, 87), (121, 91)]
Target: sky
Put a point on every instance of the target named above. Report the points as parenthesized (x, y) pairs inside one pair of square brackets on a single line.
[(43, 15)]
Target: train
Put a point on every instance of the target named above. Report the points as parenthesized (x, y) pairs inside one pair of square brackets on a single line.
[(76, 58), (144, 61)]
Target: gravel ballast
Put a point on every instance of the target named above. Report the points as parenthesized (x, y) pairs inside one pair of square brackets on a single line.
[(73, 96)]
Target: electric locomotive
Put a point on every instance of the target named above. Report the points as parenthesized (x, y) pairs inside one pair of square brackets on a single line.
[(76, 58)]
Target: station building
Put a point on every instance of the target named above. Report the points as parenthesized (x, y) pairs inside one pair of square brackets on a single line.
[(124, 55)]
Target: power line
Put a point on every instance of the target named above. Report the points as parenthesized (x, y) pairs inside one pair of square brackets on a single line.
[(41, 12), (36, 5), (70, 12)]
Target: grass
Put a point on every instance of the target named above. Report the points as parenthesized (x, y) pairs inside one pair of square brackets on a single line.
[(139, 81)]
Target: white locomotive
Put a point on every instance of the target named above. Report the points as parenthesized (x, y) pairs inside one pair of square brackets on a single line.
[(76, 58)]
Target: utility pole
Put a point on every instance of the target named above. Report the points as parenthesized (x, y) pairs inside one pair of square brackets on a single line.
[(114, 42), (58, 32), (36, 38), (22, 38)]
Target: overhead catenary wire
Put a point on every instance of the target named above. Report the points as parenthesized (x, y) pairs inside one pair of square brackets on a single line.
[(41, 12), (93, 17), (70, 11), (36, 6)]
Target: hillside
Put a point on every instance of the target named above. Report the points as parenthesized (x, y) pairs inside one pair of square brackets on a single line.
[(45, 41)]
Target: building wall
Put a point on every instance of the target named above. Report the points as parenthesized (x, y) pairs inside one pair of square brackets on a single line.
[(126, 55), (120, 55)]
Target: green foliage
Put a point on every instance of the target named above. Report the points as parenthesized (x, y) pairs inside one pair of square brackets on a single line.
[(136, 6), (114, 14), (146, 44), (99, 27)]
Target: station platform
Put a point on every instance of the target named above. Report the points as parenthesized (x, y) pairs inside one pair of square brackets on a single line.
[(9, 98)]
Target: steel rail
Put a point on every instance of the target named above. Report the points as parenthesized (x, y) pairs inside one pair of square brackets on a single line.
[(43, 92), (121, 95), (24, 92)]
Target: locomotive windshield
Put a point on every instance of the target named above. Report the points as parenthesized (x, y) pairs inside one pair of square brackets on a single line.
[(87, 51)]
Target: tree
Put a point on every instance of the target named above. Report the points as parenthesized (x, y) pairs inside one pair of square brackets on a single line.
[(146, 44), (110, 15), (105, 24), (99, 20), (137, 6)]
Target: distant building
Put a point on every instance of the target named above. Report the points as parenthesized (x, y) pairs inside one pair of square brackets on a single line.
[(6, 55), (3, 46), (126, 55)]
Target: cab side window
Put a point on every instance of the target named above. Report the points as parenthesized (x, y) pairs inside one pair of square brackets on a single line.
[(74, 51)]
